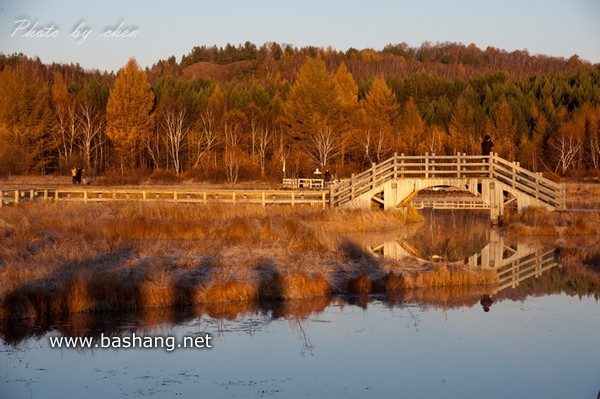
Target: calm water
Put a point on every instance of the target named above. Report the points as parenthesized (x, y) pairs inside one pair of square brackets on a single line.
[(540, 347), (539, 339)]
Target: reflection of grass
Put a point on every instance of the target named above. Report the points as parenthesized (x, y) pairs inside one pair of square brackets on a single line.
[(575, 233), (69, 258), (451, 235)]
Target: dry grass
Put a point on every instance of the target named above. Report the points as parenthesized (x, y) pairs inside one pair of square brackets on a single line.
[(72, 258)]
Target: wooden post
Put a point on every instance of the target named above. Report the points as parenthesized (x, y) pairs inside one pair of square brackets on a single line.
[(458, 166), (263, 199), (85, 196), (17, 193), (1, 198), (331, 195), (372, 174), (427, 165)]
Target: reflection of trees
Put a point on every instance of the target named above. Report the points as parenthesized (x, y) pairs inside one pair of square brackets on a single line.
[(250, 316), (307, 346)]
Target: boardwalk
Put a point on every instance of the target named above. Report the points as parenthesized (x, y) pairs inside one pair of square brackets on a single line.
[(477, 182), (183, 195)]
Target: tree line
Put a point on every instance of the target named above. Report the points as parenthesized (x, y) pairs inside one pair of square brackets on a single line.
[(286, 111)]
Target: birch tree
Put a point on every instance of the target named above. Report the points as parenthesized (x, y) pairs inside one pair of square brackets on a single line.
[(175, 124), (65, 110)]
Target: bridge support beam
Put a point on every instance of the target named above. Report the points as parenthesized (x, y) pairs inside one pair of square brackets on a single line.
[(492, 194)]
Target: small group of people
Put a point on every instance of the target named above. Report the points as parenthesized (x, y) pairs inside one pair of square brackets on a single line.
[(78, 176)]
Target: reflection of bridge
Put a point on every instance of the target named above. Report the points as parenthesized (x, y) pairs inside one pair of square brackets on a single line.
[(490, 181), (513, 264)]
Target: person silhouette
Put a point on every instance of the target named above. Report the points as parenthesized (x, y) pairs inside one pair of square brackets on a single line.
[(486, 302), (486, 145)]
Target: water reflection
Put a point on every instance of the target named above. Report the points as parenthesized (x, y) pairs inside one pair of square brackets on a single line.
[(467, 238)]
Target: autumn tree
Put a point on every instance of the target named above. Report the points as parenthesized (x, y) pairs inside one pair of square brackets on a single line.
[(66, 127), (205, 136), (380, 115), (129, 114), (567, 142), (234, 141), (591, 117), (411, 130), (313, 111), (348, 92), (26, 120), (174, 122), (530, 151), (504, 130), (461, 128)]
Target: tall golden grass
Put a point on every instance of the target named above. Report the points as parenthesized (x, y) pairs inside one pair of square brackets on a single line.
[(59, 258)]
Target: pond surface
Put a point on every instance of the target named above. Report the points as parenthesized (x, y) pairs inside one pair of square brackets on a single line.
[(534, 335)]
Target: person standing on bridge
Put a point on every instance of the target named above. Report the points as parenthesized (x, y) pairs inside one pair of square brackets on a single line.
[(486, 145)]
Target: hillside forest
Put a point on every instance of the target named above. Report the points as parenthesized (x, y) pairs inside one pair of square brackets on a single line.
[(248, 113)]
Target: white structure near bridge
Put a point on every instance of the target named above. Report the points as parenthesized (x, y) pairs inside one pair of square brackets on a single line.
[(491, 182)]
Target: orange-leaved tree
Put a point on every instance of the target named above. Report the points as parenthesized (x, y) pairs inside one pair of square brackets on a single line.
[(129, 114), (381, 112), (313, 112)]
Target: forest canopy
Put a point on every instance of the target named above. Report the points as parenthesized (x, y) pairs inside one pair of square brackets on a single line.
[(249, 113)]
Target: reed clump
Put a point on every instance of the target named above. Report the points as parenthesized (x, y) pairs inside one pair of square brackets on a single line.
[(533, 221), (61, 258)]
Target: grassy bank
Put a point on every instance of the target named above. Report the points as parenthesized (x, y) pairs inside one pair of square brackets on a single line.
[(69, 258)]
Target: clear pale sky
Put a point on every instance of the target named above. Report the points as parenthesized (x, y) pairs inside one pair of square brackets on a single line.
[(161, 28)]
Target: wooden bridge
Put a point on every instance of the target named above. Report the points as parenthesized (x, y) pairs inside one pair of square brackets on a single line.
[(479, 182), (453, 182)]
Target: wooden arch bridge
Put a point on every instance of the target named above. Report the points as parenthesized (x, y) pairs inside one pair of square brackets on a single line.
[(478, 182)]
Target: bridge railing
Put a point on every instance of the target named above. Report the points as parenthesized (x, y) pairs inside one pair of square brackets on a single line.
[(533, 184), (449, 166), (9, 196), (532, 265)]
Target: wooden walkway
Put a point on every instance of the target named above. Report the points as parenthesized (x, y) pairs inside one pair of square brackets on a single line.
[(489, 182), (93, 194)]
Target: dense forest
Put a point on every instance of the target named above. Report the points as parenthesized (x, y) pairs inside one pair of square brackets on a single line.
[(258, 113)]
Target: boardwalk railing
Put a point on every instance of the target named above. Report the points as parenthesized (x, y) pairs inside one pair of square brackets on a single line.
[(449, 167), (315, 198), (532, 265)]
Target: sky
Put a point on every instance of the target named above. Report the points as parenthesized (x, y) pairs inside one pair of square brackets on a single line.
[(105, 34)]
